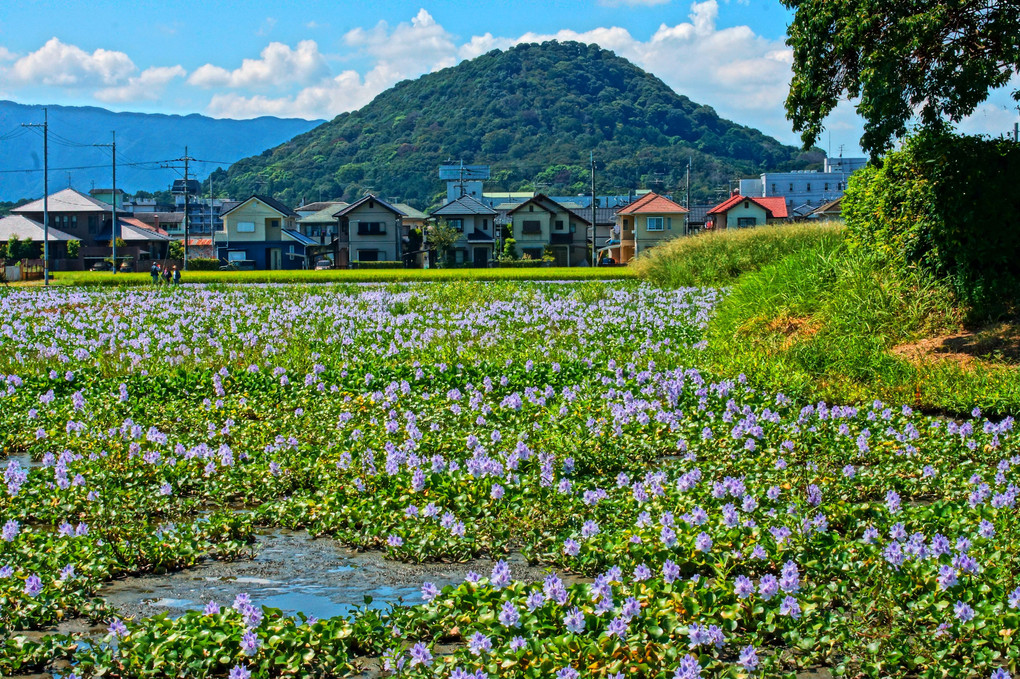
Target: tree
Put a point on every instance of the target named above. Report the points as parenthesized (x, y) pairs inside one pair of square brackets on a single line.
[(441, 236), (897, 57), (73, 246), (175, 250)]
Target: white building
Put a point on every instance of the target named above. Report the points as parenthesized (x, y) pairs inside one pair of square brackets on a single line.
[(805, 190)]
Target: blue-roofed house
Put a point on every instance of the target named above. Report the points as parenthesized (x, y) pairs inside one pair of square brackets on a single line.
[(262, 233)]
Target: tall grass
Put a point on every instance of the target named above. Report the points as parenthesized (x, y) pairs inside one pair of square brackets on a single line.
[(718, 258)]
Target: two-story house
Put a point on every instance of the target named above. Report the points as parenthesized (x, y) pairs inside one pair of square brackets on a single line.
[(745, 211), (261, 232), (648, 221), (370, 230), (476, 223), (540, 222)]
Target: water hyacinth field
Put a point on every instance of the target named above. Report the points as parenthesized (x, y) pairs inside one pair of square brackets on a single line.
[(681, 524)]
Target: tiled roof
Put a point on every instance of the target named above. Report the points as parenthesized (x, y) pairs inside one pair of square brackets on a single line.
[(775, 206), (479, 236), (323, 216), (410, 212), (271, 202), (66, 200), (652, 203), (358, 203), (833, 207), (299, 237), (604, 216), (542, 198), (133, 231), (465, 205), (318, 205), (22, 227)]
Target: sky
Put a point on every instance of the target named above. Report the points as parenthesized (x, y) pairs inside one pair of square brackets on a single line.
[(311, 59)]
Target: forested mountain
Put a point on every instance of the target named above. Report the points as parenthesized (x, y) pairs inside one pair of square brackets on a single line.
[(533, 113), (141, 137)]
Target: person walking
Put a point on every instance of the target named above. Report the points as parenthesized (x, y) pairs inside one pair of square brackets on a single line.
[(177, 276), (154, 272), (166, 275)]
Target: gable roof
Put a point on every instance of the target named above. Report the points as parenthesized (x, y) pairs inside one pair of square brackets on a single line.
[(318, 205), (270, 202), (774, 206), (539, 199), (652, 203), (358, 203), (323, 216), (604, 216), (833, 207), (134, 230), (22, 227), (465, 205), (66, 200)]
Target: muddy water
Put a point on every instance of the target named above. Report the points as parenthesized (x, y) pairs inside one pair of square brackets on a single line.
[(296, 573)]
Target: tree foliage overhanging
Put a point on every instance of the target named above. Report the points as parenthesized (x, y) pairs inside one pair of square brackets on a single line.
[(937, 57), (533, 113)]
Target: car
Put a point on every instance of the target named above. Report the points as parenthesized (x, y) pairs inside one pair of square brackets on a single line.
[(102, 265), (323, 264)]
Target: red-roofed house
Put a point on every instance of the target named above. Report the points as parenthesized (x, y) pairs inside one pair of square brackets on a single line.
[(648, 221), (744, 211)]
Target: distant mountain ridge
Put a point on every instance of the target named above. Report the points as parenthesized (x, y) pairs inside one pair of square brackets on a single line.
[(140, 137), (533, 113)]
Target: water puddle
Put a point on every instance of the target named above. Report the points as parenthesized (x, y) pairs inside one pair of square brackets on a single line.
[(296, 573)]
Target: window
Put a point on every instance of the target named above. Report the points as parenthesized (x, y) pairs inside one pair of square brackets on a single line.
[(826, 186), (774, 192), (747, 204), (559, 224), (371, 229), (246, 227), (272, 223), (459, 256), (532, 226), (368, 255), (456, 223), (809, 187), (669, 223), (236, 255), (654, 223), (791, 187), (485, 225), (747, 221), (93, 225)]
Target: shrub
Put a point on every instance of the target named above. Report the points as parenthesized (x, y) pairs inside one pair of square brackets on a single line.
[(377, 265), (203, 264), (947, 204), (73, 246)]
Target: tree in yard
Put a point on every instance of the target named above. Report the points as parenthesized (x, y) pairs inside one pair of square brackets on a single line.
[(73, 246), (441, 236), (175, 250), (898, 58)]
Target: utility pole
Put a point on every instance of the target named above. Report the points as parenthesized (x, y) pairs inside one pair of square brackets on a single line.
[(687, 198), (45, 125), (113, 222), (594, 227), (187, 213)]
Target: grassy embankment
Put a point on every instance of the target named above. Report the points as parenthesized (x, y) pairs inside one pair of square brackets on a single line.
[(807, 317), (89, 278)]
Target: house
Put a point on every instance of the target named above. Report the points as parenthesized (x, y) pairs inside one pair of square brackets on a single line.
[(320, 226), (743, 211), (541, 223), (413, 219), (82, 217), (476, 223), (261, 232), (831, 210), (370, 230), (23, 228), (648, 221), (141, 241)]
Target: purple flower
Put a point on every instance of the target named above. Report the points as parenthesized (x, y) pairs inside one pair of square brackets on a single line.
[(986, 529), (790, 580), (768, 587), (670, 571), (1014, 598), (743, 587), (589, 529), (963, 612), (618, 628), (790, 607), (117, 628), (211, 608), (567, 672), (1000, 673), (574, 620), (947, 577), (508, 615), (500, 577), (11, 529), (479, 643), (571, 547), (395, 541), (642, 573), (748, 658), (240, 672), (33, 585), (703, 543), (517, 643), (250, 643), (421, 655), (892, 502), (689, 668), (429, 591)]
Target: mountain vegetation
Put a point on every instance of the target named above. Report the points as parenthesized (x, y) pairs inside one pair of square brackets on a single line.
[(533, 113), (141, 139)]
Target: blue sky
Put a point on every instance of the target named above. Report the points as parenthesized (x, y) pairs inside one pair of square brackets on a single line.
[(312, 59)]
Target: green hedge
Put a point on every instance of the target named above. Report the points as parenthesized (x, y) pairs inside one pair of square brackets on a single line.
[(377, 265), (948, 204), (203, 264)]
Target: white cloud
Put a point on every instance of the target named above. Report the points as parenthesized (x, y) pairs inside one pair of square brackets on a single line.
[(63, 65), (325, 99), (148, 85), (278, 65), (6, 54), (410, 49)]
